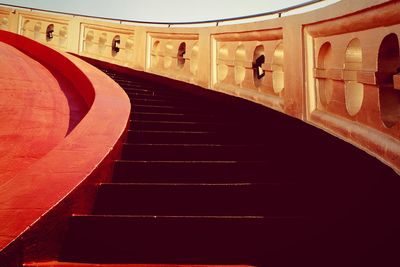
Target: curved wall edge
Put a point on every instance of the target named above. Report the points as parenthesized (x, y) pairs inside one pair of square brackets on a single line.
[(63, 181)]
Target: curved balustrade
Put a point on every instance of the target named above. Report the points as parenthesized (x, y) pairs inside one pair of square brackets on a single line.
[(333, 67)]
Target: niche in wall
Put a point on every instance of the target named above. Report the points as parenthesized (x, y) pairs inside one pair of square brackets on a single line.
[(388, 65), (325, 85), (240, 58), (180, 55), (24, 30), (278, 82), (89, 40), (222, 68), (155, 50), (194, 59), (258, 61), (36, 30), (354, 91), (129, 47), (115, 45), (49, 32), (102, 42), (63, 35), (4, 24), (169, 48)]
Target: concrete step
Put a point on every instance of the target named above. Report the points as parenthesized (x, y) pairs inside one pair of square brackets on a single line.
[(175, 116), (133, 92), (170, 108), (150, 101), (170, 100), (137, 171), (189, 125), (193, 152), (155, 95), (184, 137), (181, 239), (76, 264), (274, 199)]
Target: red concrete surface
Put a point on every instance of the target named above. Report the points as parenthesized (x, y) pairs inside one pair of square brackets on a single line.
[(56, 150), (32, 101)]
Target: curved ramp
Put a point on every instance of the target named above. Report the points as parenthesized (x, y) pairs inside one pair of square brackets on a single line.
[(39, 107), (56, 138)]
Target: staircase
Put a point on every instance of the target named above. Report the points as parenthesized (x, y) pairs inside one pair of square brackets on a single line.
[(212, 183)]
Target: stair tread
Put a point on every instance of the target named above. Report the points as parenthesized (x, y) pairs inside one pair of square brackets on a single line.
[(193, 145), (177, 113), (154, 95), (184, 122), (188, 124), (180, 239), (156, 135), (77, 264), (185, 217), (203, 199), (171, 131), (180, 184), (216, 171), (177, 122), (190, 161), (194, 151), (156, 106), (199, 186)]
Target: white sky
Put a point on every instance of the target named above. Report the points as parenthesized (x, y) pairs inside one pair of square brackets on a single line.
[(159, 10)]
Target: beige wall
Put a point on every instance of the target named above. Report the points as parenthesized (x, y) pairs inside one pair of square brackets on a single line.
[(336, 67)]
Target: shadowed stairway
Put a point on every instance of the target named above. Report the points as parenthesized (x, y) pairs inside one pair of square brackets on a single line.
[(219, 180)]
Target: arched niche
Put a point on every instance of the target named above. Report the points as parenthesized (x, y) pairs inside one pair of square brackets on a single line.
[(4, 23), (115, 45), (325, 85), (155, 49), (223, 52), (278, 82), (354, 91), (180, 55), (194, 59), (258, 61), (169, 47), (102, 41), (63, 35), (129, 44), (240, 58), (89, 40), (49, 32), (222, 71), (222, 68), (388, 65), (36, 30), (25, 25)]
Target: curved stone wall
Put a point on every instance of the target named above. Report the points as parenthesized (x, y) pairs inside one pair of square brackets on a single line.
[(336, 67)]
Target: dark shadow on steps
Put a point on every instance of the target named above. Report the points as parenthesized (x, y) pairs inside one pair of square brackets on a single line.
[(213, 179)]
